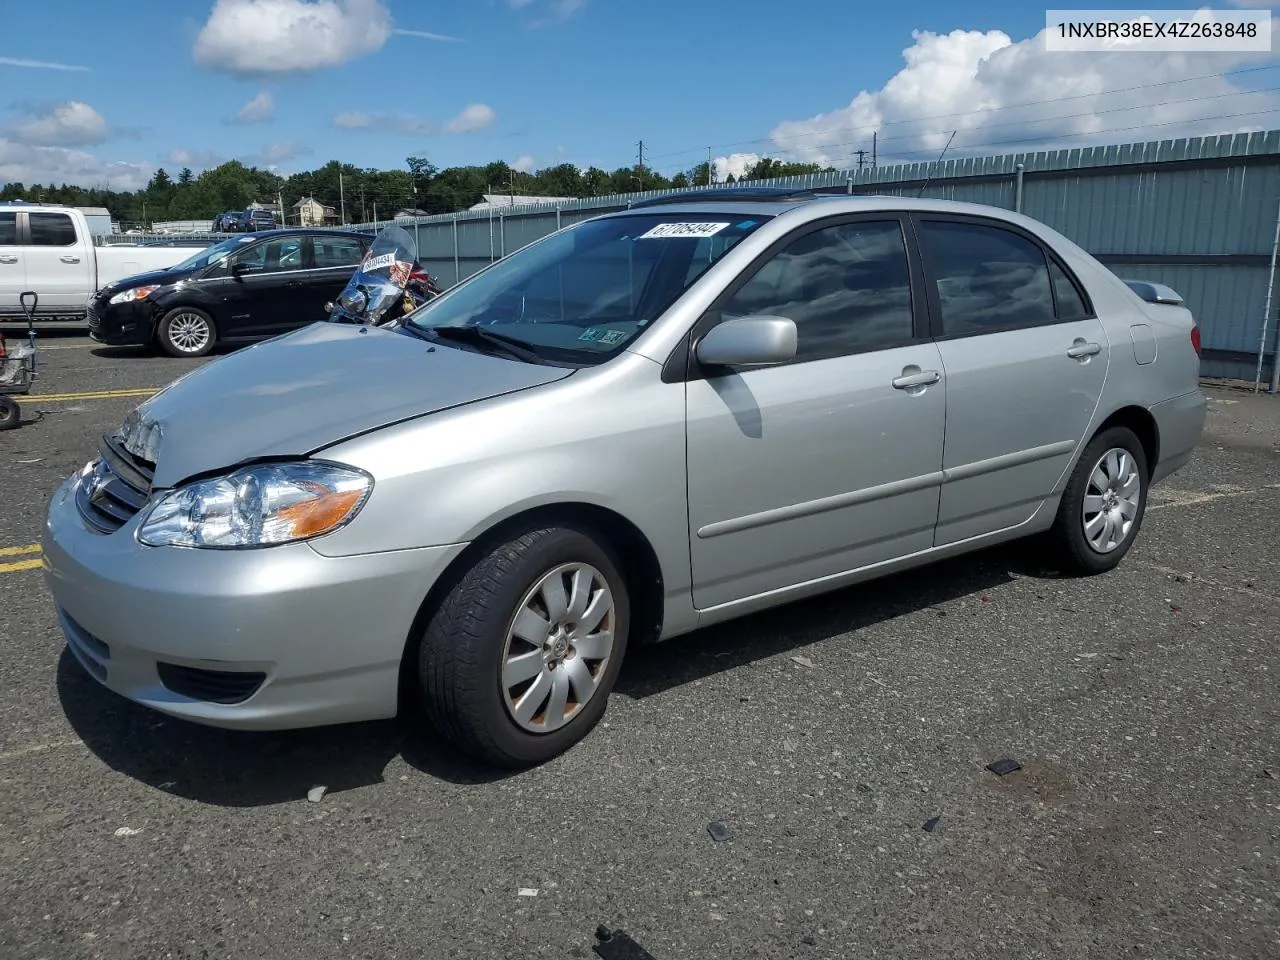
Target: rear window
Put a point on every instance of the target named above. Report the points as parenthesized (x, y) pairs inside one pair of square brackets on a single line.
[(51, 230)]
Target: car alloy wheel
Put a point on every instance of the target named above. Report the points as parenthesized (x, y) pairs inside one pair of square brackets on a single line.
[(558, 647), (189, 332), (1112, 497)]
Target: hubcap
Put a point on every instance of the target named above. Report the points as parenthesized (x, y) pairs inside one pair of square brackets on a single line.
[(558, 647), (189, 332), (1111, 500)]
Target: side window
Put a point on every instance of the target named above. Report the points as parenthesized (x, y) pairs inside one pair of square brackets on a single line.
[(272, 256), (338, 252), (51, 230), (8, 229), (1071, 305), (846, 287), (987, 278)]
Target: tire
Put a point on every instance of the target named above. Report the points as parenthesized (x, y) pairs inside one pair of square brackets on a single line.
[(469, 639), (178, 332), (10, 414), (1070, 536)]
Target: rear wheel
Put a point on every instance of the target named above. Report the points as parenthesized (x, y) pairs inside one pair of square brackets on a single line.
[(10, 414), (1104, 503), (518, 660), (186, 332)]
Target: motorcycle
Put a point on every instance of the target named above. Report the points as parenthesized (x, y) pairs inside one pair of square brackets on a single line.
[(389, 282)]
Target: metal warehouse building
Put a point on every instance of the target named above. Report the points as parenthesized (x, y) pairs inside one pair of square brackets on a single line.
[(1198, 214)]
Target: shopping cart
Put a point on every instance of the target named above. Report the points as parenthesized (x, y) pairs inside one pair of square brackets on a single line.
[(18, 366)]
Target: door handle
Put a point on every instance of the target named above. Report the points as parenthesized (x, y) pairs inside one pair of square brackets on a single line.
[(8, 259), (1081, 349), (915, 377), (70, 259)]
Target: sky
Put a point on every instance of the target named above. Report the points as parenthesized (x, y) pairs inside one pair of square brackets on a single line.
[(103, 93)]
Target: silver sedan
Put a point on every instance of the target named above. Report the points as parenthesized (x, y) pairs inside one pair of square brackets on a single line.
[(646, 423)]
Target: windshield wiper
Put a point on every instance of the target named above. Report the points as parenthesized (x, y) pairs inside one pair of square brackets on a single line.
[(479, 335)]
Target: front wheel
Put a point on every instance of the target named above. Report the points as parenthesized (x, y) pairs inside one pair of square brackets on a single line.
[(518, 659), (186, 332), (1104, 503)]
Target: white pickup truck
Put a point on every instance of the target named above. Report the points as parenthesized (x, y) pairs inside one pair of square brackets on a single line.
[(50, 249)]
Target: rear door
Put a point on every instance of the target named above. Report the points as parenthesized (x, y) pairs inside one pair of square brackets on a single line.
[(59, 262), (334, 260), (13, 268), (1024, 358)]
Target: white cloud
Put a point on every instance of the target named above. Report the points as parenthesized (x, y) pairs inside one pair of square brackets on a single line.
[(260, 109), (280, 152), (30, 164), (195, 159), (41, 65), (69, 124), (260, 37), (524, 164), (427, 35), (475, 116), (1003, 97), (736, 164), (397, 123)]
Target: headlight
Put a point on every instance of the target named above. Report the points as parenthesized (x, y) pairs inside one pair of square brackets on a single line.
[(258, 506), (134, 293)]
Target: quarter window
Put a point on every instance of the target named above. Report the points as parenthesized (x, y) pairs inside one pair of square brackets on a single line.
[(51, 230), (847, 288), (987, 278), (1070, 304), (8, 229)]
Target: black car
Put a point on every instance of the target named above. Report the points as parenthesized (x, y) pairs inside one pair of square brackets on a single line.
[(248, 221), (244, 288)]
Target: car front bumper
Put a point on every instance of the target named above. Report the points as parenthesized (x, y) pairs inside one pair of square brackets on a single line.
[(121, 324), (302, 640)]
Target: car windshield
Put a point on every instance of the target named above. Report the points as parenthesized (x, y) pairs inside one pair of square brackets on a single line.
[(584, 293), (214, 254)]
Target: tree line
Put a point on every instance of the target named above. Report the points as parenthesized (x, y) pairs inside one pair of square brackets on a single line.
[(364, 194)]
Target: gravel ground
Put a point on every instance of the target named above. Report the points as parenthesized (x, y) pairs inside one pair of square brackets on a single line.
[(1141, 705)]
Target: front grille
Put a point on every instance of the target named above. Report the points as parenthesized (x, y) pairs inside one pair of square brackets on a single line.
[(117, 488), (211, 686)]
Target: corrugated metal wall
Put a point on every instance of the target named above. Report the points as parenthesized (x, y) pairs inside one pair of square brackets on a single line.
[(1197, 214)]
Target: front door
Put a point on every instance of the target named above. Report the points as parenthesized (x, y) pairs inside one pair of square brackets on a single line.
[(833, 461), (1025, 359), (262, 290), (13, 267), (59, 264)]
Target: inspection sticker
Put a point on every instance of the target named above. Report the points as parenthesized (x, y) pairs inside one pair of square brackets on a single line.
[(667, 230), (612, 336)]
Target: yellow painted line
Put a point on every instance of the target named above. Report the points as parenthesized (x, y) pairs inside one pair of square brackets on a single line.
[(20, 565), (88, 395), (66, 346), (19, 551)]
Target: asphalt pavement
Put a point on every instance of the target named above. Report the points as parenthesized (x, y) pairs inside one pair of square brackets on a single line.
[(1141, 706)]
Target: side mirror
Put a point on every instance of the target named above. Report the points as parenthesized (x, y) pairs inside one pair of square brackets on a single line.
[(748, 341)]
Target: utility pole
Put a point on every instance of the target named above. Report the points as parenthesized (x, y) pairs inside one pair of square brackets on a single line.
[(342, 197), (280, 204), (363, 211), (709, 167), (874, 136), (375, 211), (641, 167), (862, 157)]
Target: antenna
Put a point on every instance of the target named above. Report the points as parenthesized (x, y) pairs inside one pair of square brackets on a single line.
[(935, 164)]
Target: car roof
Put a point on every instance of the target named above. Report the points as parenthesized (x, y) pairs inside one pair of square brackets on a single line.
[(307, 231), (776, 201)]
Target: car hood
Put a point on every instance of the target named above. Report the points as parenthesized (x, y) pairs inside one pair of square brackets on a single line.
[(143, 279), (309, 389)]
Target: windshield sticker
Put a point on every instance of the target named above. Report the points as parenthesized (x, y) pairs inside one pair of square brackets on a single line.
[(611, 336), (591, 333), (744, 224), (378, 262), (665, 231)]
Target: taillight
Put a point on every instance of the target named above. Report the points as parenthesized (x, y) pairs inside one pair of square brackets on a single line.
[(3, 353), (1195, 340)]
